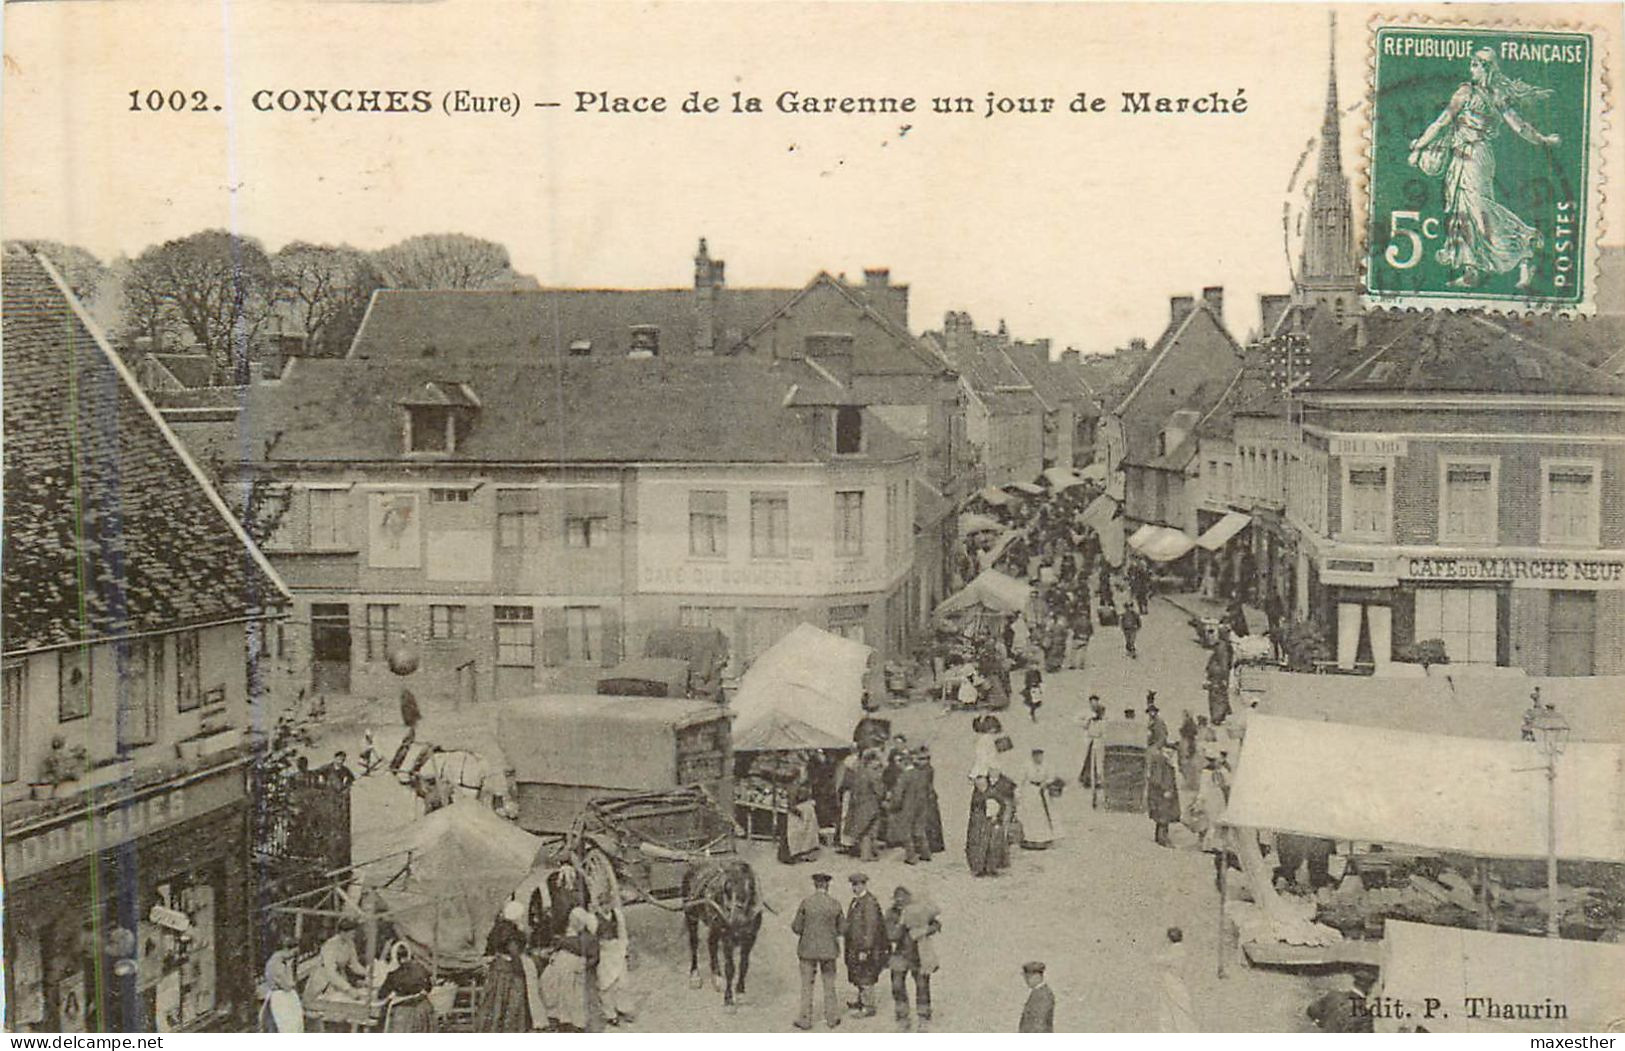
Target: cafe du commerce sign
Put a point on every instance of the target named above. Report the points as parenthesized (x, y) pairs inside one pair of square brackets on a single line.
[(80, 834), (1536, 572)]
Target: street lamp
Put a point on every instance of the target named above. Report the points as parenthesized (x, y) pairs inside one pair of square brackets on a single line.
[(1549, 731)]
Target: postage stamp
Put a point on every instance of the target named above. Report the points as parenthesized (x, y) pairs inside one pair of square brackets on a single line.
[(1483, 171)]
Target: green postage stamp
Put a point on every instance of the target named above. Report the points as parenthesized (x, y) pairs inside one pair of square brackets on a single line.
[(1483, 174)]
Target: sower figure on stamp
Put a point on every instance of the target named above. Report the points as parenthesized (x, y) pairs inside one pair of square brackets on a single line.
[(1482, 236)]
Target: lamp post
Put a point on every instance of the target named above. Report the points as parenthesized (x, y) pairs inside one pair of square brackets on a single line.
[(1543, 725)]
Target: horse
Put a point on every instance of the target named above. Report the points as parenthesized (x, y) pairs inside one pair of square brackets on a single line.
[(463, 774), (726, 898)]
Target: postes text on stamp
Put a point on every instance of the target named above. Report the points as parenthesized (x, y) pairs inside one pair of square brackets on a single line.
[(1482, 185)]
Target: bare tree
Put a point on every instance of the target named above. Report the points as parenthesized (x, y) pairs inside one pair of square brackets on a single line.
[(446, 261), (323, 290), (85, 274), (215, 284)]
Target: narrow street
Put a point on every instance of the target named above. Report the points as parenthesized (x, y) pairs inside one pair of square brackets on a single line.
[(1095, 907)]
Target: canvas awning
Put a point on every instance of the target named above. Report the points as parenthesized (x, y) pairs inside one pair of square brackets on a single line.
[(993, 554), (1474, 796), (971, 522), (991, 590), (1093, 472), (1224, 530), (1160, 543), (806, 691), (1060, 479), (994, 495), (590, 740), (1027, 488), (1099, 514), (1450, 964)]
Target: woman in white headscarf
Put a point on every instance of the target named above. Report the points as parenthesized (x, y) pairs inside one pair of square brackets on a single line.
[(504, 1006), (284, 1012), (574, 959)]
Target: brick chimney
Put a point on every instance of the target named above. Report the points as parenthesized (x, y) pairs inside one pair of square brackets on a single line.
[(1072, 356), (1179, 308), (877, 277), (1213, 299), (708, 280)]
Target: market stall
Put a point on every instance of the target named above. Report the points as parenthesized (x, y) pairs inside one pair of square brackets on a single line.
[(704, 650), (991, 596), (1421, 818), (1448, 978), (800, 699)]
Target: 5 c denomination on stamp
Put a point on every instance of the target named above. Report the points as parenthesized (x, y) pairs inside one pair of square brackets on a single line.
[(1483, 185)]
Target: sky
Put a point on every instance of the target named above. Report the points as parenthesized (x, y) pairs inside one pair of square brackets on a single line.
[(1074, 227)]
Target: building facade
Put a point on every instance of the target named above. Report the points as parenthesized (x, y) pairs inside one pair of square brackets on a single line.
[(134, 652)]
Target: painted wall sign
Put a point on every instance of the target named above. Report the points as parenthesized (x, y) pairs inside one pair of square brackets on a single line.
[(1579, 572)]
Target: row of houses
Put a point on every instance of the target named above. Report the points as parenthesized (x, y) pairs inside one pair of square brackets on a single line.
[(1390, 477)]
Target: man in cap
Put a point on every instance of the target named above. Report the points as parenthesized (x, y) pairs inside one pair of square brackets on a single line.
[(912, 927), (818, 924), (1038, 1016), (864, 930), (1157, 736)]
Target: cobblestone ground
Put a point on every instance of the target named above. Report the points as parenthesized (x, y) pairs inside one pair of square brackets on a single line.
[(1095, 907)]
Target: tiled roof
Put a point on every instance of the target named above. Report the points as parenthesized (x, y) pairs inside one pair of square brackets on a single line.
[(108, 531), (898, 353), (189, 370), (684, 409), (1451, 353), (462, 325)]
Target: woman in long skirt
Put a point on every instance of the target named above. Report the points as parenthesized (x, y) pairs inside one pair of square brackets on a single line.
[(504, 1003), (406, 994)]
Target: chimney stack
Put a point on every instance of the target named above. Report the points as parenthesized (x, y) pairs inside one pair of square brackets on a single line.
[(1179, 308), (1072, 356), (1213, 299), (878, 277)]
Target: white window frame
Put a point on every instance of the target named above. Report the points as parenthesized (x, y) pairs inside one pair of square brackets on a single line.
[(448, 621), (771, 542), (514, 632), (715, 532), (1351, 464), (584, 634), (1547, 464), (849, 540), (1493, 530)]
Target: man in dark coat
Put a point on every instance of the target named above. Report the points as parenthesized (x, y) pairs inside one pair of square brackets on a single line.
[(1038, 1015), (1157, 730), (817, 925), (863, 807), (912, 814), (933, 807), (1161, 792), (1130, 622), (867, 950)]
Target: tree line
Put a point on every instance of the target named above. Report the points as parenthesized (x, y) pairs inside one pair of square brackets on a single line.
[(222, 294)]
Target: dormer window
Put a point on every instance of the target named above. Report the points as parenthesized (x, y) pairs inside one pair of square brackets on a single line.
[(645, 341), (848, 430), (429, 429)]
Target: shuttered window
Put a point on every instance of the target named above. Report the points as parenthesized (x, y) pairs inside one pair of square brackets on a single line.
[(708, 523), (1468, 510)]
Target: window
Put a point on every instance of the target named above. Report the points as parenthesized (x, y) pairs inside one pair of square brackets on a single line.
[(329, 527), (11, 721), (428, 429), (848, 430), (849, 524), (1365, 499), (705, 617), (707, 523), (382, 618), (518, 518), (770, 525), (1569, 505), (450, 496), (583, 633), (645, 341), (516, 636), (1467, 500), (448, 622), (893, 538), (586, 530), (73, 684), (140, 665), (1464, 618)]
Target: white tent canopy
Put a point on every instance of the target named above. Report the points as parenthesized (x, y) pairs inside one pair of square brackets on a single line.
[(1451, 964), (994, 495), (992, 590), (1221, 532), (806, 691), (1060, 479), (1485, 798), (972, 522), (1093, 472), (1160, 543)]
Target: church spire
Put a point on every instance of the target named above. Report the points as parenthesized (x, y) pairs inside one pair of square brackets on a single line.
[(1326, 272)]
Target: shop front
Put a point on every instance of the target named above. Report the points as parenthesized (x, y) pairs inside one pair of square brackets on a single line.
[(132, 914)]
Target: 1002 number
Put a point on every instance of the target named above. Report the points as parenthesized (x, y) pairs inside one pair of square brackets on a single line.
[(177, 101)]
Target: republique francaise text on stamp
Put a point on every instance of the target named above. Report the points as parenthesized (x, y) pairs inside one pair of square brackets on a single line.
[(1483, 170)]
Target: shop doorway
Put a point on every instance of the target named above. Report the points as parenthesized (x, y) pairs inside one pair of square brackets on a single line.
[(330, 647), (1571, 633)]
